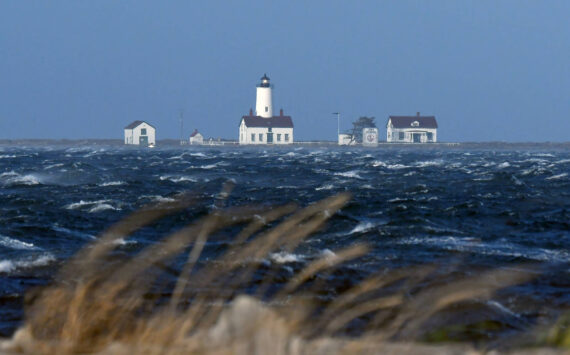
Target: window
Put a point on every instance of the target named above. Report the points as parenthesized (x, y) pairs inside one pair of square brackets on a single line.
[(429, 137), (402, 135), (143, 131), (253, 137), (266, 109), (286, 137), (278, 137), (415, 124), (261, 137)]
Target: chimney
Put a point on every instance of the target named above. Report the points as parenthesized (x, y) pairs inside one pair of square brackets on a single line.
[(251, 112), (418, 114), (281, 112)]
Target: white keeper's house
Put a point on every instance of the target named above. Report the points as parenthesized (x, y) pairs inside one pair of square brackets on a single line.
[(411, 129), (262, 127), (140, 133)]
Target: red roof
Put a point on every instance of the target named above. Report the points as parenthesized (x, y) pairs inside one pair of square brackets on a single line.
[(194, 133), (275, 121)]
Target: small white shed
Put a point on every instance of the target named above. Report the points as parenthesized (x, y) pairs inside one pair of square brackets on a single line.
[(140, 133), (345, 139), (196, 138)]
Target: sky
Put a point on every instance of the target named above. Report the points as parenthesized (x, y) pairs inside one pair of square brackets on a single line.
[(488, 70)]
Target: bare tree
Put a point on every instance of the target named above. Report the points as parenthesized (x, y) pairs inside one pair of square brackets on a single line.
[(357, 127)]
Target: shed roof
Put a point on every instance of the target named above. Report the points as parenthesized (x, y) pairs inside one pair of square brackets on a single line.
[(136, 124), (275, 121), (406, 121)]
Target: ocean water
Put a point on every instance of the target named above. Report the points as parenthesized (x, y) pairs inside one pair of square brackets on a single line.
[(465, 209)]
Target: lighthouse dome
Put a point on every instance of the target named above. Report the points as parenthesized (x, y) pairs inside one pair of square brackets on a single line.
[(264, 81)]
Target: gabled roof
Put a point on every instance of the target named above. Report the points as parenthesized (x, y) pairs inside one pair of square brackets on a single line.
[(194, 133), (136, 124), (408, 121), (275, 121)]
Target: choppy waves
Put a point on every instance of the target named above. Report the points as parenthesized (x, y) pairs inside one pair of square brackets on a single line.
[(411, 206)]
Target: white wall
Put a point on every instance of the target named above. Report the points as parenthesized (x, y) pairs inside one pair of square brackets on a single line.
[(197, 139), (262, 101), (393, 135), (246, 132), (132, 135), (345, 139)]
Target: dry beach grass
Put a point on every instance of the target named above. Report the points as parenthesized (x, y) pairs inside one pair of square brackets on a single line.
[(101, 303)]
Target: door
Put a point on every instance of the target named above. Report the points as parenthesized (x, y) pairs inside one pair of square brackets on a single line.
[(417, 137), (143, 140)]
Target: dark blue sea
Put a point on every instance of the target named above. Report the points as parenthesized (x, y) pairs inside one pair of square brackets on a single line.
[(467, 209)]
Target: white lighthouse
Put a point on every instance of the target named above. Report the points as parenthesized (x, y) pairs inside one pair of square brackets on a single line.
[(263, 104), (262, 127)]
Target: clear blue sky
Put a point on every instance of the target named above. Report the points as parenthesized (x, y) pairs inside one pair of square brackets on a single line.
[(488, 70)]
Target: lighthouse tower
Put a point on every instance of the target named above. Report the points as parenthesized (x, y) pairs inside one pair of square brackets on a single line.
[(263, 105)]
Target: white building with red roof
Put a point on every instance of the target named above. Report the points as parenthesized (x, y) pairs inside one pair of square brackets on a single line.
[(196, 137), (262, 127)]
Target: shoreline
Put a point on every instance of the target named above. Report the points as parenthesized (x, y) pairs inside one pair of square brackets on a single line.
[(329, 144)]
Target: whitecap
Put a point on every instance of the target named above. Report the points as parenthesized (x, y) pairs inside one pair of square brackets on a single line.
[(12, 178), (362, 227), (102, 207), (51, 166), (396, 166), (423, 164), (7, 156), (7, 266), (500, 248), (284, 257), (503, 165), (94, 206), (158, 198), (557, 177), (112, 183), (350, 174), (325, 187), (81, 203), (396, 199), (122, 241), (60, 229), (290, 154), (177, 179), (378, 163), (209, 166), (16, 244)]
